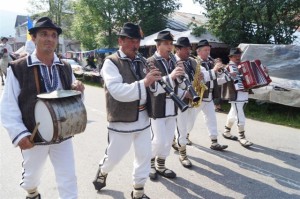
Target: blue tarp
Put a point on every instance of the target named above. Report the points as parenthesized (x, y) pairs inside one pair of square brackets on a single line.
[(106, 50)]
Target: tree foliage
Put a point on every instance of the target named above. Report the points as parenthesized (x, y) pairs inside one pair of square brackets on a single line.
[(101, 20), (253, 21), (60, 11)]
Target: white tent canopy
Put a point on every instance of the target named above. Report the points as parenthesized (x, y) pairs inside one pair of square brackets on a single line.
[(149, 40)]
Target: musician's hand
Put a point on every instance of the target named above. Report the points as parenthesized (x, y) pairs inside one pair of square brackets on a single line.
[(200, 77), (233, 74), (78, 85), (153, 75), (266, 70), (218, 66), (25, 143), (180, 64), (177, 72), (188, 95)]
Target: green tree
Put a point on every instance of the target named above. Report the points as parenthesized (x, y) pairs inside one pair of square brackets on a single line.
[(253, 21), (60, 11), (153, 13), (108, 16)]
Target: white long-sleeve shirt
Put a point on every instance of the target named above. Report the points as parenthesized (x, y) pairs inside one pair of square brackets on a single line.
[(125, 92), (209, 76), (11, 117)]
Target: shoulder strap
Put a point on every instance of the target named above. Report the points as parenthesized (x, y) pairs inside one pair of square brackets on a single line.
[(37, 83)]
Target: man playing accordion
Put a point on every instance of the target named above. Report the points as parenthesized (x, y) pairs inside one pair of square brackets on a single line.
[(237, 98)]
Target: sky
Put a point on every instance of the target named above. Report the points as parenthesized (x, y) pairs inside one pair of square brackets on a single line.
[(11, 8)]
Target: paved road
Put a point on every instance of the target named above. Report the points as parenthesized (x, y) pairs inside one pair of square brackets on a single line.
[(270, 169)]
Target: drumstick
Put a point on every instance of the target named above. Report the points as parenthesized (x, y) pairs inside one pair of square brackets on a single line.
[(34, 132)]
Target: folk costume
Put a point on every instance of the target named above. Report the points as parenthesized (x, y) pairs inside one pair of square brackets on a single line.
[(163, 114), (185, 120), (207, 104), (127, 115), (238, 100), (17, 116)]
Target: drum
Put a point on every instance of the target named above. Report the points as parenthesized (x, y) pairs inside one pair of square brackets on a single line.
[(61, 114)]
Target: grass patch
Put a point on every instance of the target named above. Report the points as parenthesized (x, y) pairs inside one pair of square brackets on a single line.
[(271, 113)]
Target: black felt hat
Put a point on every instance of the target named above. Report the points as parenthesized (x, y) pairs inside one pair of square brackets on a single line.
[(44, 22), (235, 51), (183, 42), (131, 30), (202, 43), (164, 35), (4, 38)]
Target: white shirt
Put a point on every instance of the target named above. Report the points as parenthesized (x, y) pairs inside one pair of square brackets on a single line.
[(170, 108), (242, 96), (209, 76), (125, 92), (7, 46), (10, 113)]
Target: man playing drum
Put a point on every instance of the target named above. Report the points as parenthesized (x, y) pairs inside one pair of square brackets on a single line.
[(39, 72)]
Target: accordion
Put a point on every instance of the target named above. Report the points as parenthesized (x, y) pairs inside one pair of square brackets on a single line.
[(253, 74)]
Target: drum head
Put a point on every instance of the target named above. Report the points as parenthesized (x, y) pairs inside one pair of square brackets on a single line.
[(59, 94), (43, 115)]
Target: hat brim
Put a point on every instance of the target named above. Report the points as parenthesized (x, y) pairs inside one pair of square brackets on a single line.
[(178, 45), (126, 35), (163, 40), (35, 29), (202, 46), (234, 55)]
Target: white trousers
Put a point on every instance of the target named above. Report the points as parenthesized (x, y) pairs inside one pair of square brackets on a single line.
[(236, 114), (162, 136), (119, 145), (184, 124), (186, 121), (210, 118), (62, 158)]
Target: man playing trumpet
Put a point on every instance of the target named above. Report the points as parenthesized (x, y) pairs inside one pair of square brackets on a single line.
[(164, 111), (185, 120), (210, 71), (127, 86)]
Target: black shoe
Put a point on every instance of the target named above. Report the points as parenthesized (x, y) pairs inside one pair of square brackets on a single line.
[(218, 147), (35, 197), (245, 143), (189, 142), (175, 146), (153, 174), (229, 136), (144, 196), (167, 173), (100, 182)]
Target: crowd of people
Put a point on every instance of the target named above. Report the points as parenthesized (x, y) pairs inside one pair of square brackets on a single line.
[(140, 104)]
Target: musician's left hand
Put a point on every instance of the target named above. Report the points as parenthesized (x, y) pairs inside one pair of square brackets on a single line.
[(78, 85), (188, 95), (177, 72), (200, 77), (233, 74), (180, 64), (218, 66), (266, 70)]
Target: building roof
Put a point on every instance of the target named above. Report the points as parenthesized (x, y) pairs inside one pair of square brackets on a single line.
[(21, 19), (180, 20)]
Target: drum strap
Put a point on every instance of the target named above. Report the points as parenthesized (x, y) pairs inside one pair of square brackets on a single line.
[(36, 80)]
